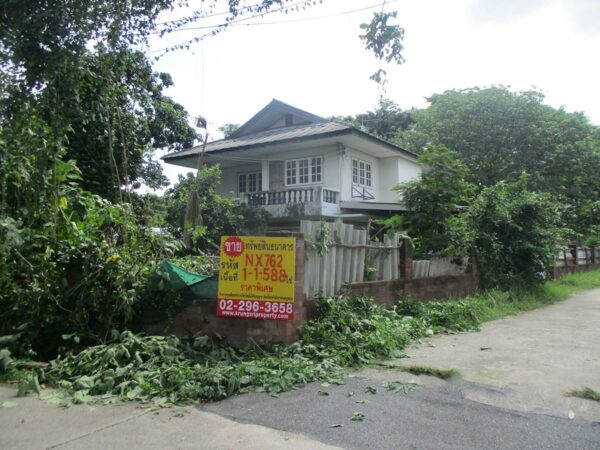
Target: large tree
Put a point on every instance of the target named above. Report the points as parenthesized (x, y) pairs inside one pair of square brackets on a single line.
[(499, 134), (77, 62)]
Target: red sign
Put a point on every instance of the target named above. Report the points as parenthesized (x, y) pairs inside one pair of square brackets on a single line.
[(233, 246)]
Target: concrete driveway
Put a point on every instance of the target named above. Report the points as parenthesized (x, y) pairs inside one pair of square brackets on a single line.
[(529, 361), (511, 395)]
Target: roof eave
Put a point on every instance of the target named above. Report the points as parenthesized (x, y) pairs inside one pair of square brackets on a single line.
[(346, 131)]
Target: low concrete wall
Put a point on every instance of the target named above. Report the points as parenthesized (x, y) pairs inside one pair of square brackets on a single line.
[(557, 272), (389, 292)]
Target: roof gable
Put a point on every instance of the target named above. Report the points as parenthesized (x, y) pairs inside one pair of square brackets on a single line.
[(276, 115)]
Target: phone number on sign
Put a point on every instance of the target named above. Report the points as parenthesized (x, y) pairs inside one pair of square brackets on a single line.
[(255, 309)]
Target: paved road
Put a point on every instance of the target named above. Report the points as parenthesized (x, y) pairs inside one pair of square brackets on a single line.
[(510, 396)]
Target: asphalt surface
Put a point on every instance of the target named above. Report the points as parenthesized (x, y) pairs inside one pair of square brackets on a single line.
[(427, 417), (511, 393)]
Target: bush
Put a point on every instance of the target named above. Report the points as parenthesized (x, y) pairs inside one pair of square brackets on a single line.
[(514, 232)]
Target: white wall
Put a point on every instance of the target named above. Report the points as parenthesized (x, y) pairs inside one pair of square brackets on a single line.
[(388, 170), (331, 170), (337, 172)]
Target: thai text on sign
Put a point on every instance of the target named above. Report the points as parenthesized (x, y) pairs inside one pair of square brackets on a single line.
[(256, 277)]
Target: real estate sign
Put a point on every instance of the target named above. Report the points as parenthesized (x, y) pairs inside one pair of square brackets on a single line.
[(256, 277)]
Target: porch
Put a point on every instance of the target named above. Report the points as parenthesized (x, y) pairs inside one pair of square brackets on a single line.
[(311, 201)]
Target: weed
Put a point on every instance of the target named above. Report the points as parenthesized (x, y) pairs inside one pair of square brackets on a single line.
[(586, 393), (444, 374), (357, 417), (399, 386)]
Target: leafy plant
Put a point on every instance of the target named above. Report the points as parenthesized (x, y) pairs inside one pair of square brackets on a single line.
[(442, 316), (433, 200), (220, 215), (400, 386)]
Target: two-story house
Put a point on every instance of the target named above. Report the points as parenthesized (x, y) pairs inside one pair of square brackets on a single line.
[(298, 165)]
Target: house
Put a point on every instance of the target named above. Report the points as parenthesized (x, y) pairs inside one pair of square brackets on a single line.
[(298, 165)]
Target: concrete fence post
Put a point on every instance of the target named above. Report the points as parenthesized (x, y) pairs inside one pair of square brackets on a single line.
[(573, 250), (406, 251), (287, 331), (594, 254)]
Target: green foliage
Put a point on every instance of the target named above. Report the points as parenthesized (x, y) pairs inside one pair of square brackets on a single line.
[(433, 200), (384, 40), (168, 369), (220, 215), (119, 116), (357, 331), (386, 121), (70, 261), (498, 134), (514, 232), (349, 332), (442, 316)]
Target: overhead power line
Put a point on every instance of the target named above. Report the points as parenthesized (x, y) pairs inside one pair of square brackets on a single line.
[(238, 22)]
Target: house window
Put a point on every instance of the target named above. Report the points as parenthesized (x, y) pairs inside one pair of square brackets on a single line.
[(362, 173), (242, 183), (249, 182), (290, 174), (304, 171), (315, 170)]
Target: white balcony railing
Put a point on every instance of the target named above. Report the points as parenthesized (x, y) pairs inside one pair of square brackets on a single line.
[(293, 195)]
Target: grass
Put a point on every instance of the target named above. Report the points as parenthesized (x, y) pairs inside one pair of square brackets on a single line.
[(586, 393), (495, 304)]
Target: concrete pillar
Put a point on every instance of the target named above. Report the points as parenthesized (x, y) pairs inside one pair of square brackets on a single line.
[(406, 259), (265, 176)]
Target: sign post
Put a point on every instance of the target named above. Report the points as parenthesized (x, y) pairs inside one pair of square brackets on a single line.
[(256, 277)]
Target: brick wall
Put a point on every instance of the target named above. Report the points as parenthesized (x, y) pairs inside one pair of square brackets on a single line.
[(389, 292), (201, 315)]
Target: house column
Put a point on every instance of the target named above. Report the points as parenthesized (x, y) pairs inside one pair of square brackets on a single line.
[(265, 176)]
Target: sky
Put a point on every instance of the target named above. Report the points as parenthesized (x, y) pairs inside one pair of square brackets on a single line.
[(314, 59)]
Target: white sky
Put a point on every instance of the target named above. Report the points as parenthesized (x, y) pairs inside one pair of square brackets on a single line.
[(321, 65)]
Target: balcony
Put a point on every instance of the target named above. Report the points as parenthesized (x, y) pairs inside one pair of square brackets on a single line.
[(311, 201)]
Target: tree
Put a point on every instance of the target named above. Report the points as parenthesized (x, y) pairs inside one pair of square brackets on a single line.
[(498, 134), (386, 121), (76, 61), (514, 232), (228, 129), (119, 118), (384, 40), (221, 215), (434, 199)]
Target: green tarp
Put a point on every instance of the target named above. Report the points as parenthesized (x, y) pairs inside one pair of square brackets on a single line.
[(170, 277)]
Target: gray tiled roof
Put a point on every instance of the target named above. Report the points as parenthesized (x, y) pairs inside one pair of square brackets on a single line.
[(267, 137)]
